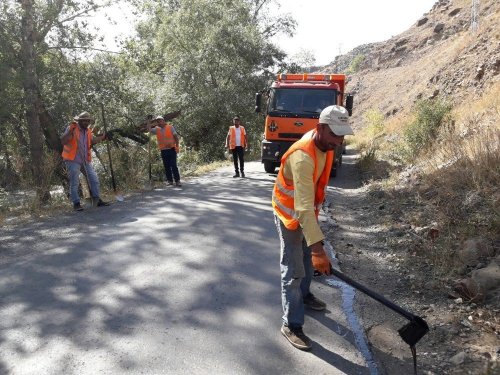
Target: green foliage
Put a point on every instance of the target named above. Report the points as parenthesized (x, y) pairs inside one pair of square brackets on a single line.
[(355, 64), (368, 159), (207, 56), (431, 115), (375, 122)]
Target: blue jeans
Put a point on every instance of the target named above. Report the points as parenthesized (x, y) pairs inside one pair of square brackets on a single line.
[(296, 273), (169, 157), (74, 174)]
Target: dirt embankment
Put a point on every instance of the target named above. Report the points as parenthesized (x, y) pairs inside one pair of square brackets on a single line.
[(374, 247)]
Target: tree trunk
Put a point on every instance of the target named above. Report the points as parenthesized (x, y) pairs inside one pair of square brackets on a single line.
[(30, 92)]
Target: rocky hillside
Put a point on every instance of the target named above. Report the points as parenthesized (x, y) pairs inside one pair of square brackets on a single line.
[(449, 251), (440, 55)]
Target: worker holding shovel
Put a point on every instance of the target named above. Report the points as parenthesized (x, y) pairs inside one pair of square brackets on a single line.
[(298, 193), (77, 141)]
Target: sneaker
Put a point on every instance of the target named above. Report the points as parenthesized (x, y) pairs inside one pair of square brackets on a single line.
[(170, 183), (314, 303), (77, 207), (178, 183), (101, 203), (236, 175), (296, 337), (242, 174)]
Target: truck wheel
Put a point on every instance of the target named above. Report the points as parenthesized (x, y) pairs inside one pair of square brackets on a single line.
[(269, 166)]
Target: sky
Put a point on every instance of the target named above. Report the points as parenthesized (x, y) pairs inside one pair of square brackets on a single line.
[(325, 28)]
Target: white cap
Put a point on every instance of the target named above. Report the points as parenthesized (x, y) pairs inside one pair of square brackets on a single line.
[(337, 118), (159, 118)]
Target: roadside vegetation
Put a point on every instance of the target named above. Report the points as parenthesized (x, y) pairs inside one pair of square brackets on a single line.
[(205, 59), (442, 164)]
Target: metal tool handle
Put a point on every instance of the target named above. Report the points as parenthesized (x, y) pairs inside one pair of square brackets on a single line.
[(408, 315)]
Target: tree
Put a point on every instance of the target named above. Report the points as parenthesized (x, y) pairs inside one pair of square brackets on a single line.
[(210, 57), (30, 32), (30, 83)]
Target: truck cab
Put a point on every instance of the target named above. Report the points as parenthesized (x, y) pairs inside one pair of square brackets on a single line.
[(293, 104)]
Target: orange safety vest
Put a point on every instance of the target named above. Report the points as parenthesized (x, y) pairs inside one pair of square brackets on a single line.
[(165, 139), (70, 149), (283, 193), (232, 137)]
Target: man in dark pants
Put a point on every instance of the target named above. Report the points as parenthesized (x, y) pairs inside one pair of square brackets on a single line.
[(236, 142), (168, 143)]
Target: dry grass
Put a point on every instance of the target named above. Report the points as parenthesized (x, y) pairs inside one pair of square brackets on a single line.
[(458, 179), (462, 174), (197, 170)]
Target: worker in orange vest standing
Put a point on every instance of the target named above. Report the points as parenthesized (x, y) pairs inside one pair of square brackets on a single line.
[(77, 142), (236, 142), (298, 193), (168, 143)]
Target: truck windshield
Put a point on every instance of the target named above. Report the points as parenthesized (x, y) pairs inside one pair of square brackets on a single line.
[(301, 101)]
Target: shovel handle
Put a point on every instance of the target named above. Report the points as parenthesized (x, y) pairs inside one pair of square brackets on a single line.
[(408, 315)]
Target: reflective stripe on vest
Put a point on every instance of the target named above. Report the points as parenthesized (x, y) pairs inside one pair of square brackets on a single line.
[(232, 137), (165, 137), (70, 149), (284, 194)]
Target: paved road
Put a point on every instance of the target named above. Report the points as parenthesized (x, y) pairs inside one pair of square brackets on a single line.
[(172, 281)]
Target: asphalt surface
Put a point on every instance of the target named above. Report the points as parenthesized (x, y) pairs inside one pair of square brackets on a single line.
[(171, 281)]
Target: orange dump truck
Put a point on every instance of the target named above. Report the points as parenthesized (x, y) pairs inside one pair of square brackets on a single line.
[(292, 108)]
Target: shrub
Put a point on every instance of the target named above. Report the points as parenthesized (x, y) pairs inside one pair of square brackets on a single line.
[(355, 64), (420, 134), (368, 159), (375, 123)]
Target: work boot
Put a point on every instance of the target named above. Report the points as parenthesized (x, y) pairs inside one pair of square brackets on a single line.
[(314, 303), (101, 203), (236, 175), (296, 337), (178, 183), (242, 174), (77, 206)]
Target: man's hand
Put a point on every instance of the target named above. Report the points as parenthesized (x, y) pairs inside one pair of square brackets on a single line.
[(321, 263), (320, 260)]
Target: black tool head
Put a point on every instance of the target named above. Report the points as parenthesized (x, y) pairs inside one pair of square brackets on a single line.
[(412, 332)]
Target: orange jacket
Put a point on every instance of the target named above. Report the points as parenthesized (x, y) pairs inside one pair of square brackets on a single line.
[(71, 148), (165, 139), (232, 137), (283, 193)]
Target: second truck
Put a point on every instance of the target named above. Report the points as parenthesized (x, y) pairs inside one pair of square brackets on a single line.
[(292, 108)]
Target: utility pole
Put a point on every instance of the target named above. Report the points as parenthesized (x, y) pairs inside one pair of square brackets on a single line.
[(475, 16)]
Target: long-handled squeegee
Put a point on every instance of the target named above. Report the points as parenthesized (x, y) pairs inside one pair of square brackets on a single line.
[(411, 333)]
